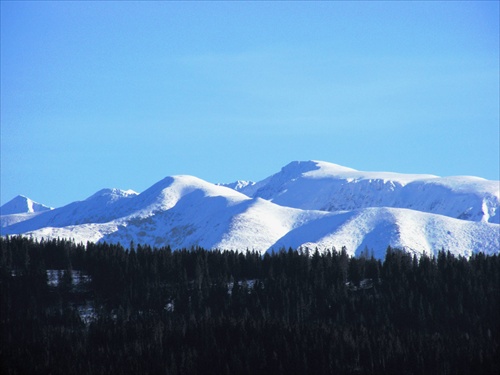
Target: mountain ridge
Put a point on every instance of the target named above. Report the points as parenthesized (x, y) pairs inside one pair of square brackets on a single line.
[(22, 205), (330, 187), (306, 204)]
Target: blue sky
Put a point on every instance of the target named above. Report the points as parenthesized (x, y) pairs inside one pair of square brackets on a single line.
[(122, 94)]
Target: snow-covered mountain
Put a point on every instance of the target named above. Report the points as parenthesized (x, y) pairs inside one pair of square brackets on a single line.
[(238, 185), (325, 186), (22, 205), (313, 204), (103, 206), (19, 209)]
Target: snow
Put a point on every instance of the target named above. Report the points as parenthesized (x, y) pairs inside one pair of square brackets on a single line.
[(21, 205), (325, 186), (101, 207), (112, 194), (307, 204), (238, 185), (319, 170), (78, 277), (7, 220)]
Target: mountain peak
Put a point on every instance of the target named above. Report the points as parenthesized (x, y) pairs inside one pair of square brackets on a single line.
[(319, 185), (307, 203), (112, 192), (237, 185), (21, 205), (304, 165), (314, 168)]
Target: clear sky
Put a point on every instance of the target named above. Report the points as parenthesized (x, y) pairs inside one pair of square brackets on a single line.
[(123, 94)]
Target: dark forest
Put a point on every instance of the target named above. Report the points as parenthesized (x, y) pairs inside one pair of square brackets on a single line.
[(70, 308)]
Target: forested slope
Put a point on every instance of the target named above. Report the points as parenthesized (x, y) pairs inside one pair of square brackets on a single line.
[(140, 310)]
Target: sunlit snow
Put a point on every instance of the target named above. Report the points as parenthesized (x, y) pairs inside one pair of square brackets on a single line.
[(307, 204)]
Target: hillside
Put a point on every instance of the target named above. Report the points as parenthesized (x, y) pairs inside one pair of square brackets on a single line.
[(325, 186), (307, 204)]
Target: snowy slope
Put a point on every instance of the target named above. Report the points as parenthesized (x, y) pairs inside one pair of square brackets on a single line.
[(356, 209), (184, 211), (19, 209), (238, 185), (22, 205), (8, 220), (256, 224), (212, 222), (376, 228), (330, 187), (103, 206)]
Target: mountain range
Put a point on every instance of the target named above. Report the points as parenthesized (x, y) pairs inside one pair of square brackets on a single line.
[(309, 204)]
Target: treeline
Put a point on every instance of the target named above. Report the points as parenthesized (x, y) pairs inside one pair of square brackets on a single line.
[(158, 311)]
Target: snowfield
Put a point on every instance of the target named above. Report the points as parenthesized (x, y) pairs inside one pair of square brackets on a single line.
[(307, 204), (329, 187), (24, 205)]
